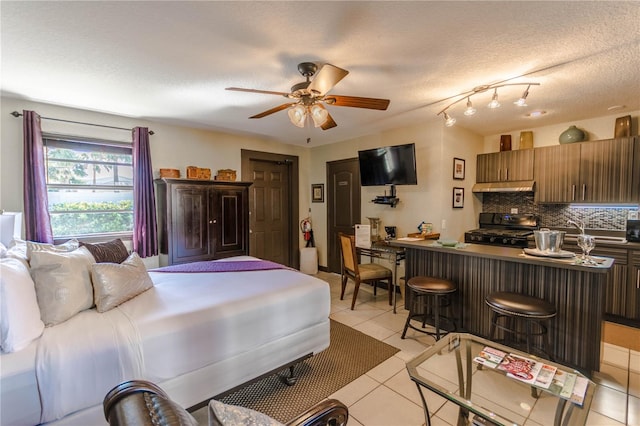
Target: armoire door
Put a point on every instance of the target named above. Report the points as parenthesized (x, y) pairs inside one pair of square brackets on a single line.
[(229, 221), (190, 227)]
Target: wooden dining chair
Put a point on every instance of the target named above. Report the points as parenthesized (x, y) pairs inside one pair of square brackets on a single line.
[(361, 272)]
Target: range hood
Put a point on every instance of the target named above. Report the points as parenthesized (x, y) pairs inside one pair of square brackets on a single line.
[(512, 186)]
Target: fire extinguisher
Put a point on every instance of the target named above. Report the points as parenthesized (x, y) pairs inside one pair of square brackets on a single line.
[(305, 227)]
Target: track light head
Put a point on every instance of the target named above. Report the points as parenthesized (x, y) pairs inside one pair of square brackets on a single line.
[(449, 121), (470, 109), (494, 100)]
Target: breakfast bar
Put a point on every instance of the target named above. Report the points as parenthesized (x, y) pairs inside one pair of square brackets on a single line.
[(576, 290)]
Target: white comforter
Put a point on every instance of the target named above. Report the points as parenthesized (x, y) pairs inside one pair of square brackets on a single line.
[(100, 350), (184, 323)]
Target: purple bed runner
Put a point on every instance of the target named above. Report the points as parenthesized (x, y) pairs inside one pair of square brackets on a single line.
[(222, 266)]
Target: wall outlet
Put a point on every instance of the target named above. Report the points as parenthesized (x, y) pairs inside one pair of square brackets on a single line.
[(443, 225), (632, 215), (514, 210)]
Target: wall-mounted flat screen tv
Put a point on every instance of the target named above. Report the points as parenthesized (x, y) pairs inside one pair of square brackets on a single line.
[(390, 165)]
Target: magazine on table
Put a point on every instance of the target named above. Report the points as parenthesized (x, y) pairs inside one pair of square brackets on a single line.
[(546, 375), (567, 388), (579, 389), (521, 368), (558, 382), (490, 357)]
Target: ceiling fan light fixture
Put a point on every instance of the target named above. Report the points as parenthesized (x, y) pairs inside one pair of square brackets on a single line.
[(297, 115), (470, 109), (494, 100), (318, 114)]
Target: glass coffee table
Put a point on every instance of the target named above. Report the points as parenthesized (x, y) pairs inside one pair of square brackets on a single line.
[(494, 384)]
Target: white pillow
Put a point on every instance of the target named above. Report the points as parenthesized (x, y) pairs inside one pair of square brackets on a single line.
[(3, 250), (19, 313), (221, 414), (67, 246), (63, 283), (115, 283)]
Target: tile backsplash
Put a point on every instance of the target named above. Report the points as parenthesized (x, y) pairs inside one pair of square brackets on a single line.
[(556, 215)]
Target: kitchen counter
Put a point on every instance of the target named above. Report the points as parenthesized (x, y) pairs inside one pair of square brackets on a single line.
[(507, 254), (577, 291)]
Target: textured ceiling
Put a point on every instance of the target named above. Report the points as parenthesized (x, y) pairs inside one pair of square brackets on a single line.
[(170, 61)]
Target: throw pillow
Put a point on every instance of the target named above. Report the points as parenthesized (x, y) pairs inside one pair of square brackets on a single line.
[(67, 246), (110, 252), (221, 414), (63, 283), (115, 283), (20, 321)]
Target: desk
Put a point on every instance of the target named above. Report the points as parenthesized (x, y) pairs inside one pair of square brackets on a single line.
[(382, 250), (448, 369)]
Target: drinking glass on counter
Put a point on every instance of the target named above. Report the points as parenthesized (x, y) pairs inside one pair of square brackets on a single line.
[(586, 243)]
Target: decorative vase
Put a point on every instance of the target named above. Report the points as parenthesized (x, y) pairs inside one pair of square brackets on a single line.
[(526, 140), (572, 134), (505, 142)]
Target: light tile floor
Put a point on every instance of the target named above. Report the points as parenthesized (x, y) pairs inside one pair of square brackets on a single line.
[(386, 396)]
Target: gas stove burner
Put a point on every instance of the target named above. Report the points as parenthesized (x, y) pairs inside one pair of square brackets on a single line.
[(503, 229)]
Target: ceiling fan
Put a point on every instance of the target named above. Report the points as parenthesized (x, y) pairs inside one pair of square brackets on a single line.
[(309, 96)]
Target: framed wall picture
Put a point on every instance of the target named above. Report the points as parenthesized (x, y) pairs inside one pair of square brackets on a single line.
[(458, 168), (458, 198), (317, 192)]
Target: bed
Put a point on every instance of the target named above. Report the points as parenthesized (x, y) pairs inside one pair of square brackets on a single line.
[(195, 334)]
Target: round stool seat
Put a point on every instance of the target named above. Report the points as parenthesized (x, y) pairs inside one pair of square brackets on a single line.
[(431, 285), (520, 305)]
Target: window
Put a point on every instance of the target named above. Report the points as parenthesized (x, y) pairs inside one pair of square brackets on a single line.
[(89, 185)]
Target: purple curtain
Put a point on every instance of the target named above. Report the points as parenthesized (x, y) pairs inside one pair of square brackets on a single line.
[(145, 232), (36, 211)]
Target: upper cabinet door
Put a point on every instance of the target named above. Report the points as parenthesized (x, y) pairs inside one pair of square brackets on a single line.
[(487, 167), (505, 166), (517, 165), (606, 170), (557, 173), (587, 172)]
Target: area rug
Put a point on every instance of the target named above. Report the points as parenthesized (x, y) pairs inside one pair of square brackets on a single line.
[(349, 355)]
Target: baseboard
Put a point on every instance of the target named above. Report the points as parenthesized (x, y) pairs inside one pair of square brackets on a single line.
[(621, 335)]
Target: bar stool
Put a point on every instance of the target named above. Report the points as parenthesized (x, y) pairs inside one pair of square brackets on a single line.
[(434, 294), (519, 306)]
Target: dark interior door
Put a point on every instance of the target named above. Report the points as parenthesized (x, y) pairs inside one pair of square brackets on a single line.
[(269, 206), (343, 205)]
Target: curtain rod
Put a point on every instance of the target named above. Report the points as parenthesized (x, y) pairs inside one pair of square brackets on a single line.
[(17, 114)]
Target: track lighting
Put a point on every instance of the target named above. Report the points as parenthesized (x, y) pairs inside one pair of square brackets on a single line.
[(523, 99), (298, 114), (470, 110), (449, 121), (494, 100)]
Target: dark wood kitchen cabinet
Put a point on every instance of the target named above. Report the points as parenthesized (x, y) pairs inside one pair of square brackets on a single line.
[(633, 289), (505, 166), (202, 220), (586, 172), (622, 293)]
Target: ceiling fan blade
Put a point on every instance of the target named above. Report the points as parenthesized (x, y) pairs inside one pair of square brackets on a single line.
[(265, 92), (272, 110), (357, 102), (329, 123), (328, 76)]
